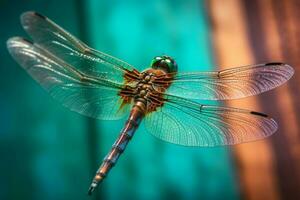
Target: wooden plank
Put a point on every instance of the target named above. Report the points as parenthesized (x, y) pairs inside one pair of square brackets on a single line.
[(256, 163), (279, 30)]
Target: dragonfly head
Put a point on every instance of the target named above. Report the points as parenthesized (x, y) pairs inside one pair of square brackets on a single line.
[(165, 63)]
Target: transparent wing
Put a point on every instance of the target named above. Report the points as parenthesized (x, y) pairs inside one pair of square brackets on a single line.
[(188, 123), (229, 84), (49, 36), (89, 95)]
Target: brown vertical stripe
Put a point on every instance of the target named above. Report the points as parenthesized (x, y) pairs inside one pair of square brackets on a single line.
[(264, 39), (287, 20), (282, 25), (255, 160)]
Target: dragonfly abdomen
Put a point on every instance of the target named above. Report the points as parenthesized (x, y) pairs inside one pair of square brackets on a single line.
[(120, 144)]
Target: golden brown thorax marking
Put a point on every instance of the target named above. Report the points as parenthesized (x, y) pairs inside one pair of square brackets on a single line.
[(144, 86)]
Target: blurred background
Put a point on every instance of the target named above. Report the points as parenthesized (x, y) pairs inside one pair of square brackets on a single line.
[(49, 152)]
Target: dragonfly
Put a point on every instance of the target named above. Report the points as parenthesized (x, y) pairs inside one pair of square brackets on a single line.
[(101, 86)]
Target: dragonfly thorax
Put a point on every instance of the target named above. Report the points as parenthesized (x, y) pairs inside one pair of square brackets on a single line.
[(144, 88)]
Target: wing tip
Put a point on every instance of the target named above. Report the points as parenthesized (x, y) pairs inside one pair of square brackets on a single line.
[(27, 17), (18, 38), (288, 68), (32, 13), (14, 43), (14, 40), (273, 124)]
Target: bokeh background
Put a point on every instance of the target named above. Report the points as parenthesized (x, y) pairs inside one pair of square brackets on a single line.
[(48, 152)]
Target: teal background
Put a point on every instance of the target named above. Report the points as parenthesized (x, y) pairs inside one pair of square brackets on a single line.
[(49, 152)]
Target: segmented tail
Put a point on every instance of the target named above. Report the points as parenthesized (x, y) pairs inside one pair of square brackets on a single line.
[(118, 147)]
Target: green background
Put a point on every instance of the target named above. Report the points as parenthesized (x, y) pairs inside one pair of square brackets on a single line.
[(49, 152)]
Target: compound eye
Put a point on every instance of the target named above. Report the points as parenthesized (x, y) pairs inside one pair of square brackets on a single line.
[(164, 65)]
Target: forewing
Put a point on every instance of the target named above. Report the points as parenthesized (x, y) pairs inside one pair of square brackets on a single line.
[(49, 36), (229, 84), (187, 123), (89, 95)]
